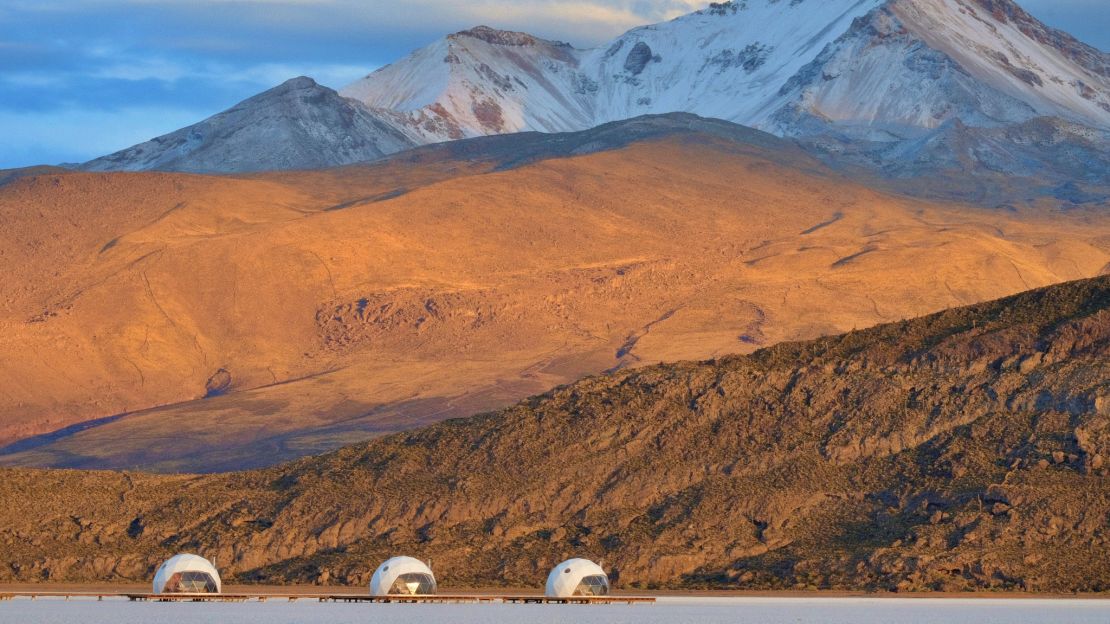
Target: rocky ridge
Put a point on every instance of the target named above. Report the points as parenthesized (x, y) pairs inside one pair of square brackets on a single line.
[(966, 450)]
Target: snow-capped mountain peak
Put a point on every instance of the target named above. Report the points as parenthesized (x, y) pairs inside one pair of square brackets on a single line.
[(729, 61), (481, 81), (892, 66), (1000, 44)]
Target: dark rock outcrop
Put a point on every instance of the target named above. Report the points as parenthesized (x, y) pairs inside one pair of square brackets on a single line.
[(219, 383), (638, 58)]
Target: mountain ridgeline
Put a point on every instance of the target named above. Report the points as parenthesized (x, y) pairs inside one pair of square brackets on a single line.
[(974, 90), (296, 125), (965, 450)]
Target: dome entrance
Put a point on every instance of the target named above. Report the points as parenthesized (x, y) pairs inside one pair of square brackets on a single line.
[(190, 583), (414, 583), (593, 585)]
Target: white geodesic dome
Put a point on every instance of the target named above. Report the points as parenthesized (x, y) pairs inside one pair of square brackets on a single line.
[(577, 577), (402, 576), (187, 574)]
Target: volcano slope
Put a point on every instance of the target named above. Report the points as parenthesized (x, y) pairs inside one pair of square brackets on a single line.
[(965, 450), (180, 322)]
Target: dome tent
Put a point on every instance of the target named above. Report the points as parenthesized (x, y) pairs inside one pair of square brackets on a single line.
[(403, 576), (577, 577), (187, 574)]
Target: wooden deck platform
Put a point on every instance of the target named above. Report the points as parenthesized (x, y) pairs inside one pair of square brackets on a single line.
[(260, 597)]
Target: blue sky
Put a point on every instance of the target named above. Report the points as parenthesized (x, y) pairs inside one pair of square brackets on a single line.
[(82, 78)]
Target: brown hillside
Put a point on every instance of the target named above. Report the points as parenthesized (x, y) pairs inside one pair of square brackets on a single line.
[(316, 309), (964, 450)]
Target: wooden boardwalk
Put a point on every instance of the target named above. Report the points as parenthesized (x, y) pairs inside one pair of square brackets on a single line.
[(62, 595), (244, 597)]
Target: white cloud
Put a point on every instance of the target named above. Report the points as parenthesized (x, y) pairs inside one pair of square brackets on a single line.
[(582, 22), (335, 76), (77, 135), (262, 75), (29, 79), (141, 69)]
